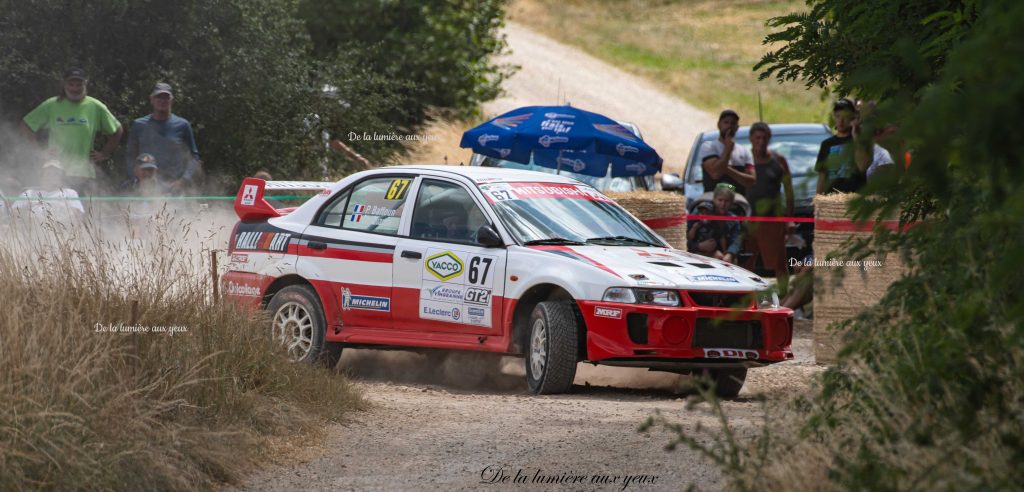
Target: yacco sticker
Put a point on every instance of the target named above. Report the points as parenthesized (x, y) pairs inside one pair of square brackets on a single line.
[(525, 191), (728, 353), (712, 278), (366, 303), (607, 312), (445, 265), (249, 195), (262, 241)]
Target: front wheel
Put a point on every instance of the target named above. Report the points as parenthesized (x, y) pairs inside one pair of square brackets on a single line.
[(298, 323), (728, 382), (551, 357)]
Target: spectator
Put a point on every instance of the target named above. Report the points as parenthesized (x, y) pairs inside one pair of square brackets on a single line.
[(841, 167), (51, 198), (73, 119), (145, 177), (725, 162), (168, 137), (768, 239), (719, 238)]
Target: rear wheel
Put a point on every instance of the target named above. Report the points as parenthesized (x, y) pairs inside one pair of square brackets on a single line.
[(298, 323), (552, 350)]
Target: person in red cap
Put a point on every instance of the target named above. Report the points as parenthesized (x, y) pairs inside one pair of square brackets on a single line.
[(73, 119)]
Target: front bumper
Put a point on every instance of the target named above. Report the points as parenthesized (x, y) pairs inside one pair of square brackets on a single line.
[(687, 336)]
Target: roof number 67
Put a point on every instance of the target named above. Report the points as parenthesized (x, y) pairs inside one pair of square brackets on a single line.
[(501, 195)]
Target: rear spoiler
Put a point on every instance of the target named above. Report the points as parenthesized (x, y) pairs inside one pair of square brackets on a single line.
[(250, 204)]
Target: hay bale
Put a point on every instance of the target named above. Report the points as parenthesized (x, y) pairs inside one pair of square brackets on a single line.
[(839, 297), (647, 205)]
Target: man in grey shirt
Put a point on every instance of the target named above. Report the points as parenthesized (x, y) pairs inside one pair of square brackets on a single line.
[(168, 137), (725, 162)]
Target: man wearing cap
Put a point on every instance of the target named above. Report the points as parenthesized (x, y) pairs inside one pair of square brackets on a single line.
[(725, 162), (144, 181), (168, 138), (73, 119)]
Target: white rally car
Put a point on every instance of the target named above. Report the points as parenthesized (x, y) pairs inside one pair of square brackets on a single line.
[(496, 260)]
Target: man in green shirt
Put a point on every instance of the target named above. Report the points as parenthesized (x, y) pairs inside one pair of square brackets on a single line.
[(73, 119)]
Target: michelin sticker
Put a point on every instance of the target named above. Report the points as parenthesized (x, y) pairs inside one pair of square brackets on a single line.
[(712, 278), (366, 303)]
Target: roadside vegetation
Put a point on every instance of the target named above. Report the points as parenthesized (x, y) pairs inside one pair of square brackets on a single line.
[(260, 81), (701, 51), (118, 371), (928, 392)]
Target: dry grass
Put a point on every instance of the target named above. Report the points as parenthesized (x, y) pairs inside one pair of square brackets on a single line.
[(703, 51), (82, 407), (441, 145)]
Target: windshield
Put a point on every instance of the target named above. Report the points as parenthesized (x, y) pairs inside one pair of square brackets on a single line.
[(605, 183), (557, 213)]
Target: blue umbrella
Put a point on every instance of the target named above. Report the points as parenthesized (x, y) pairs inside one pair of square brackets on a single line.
[(564, 137)]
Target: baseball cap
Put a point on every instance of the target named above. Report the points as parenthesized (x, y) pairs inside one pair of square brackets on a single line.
[(728, 112), (146, 161), (844, 104), (75, 73), (161, 88)]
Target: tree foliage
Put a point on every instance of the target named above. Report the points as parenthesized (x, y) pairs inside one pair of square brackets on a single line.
[(442, 48), (928, 392), (257, 89)]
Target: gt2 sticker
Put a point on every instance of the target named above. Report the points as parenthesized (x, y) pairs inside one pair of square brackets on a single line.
[(397, 189), (607, 312), (366, 303), (727, 353), (478, 296), (262, 241)]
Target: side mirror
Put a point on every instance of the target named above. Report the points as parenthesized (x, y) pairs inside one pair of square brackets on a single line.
[(671, 182), (488, 237)]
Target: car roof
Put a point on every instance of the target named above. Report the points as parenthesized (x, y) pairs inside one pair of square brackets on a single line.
[(778, 129), (480, 174)]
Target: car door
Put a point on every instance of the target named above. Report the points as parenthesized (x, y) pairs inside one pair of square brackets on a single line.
[(347, 252), (444, 280)]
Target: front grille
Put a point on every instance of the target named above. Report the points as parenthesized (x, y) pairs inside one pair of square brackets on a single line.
[(712, 333), (720, 299)]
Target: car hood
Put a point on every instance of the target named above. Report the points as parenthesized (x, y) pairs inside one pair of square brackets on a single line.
[(662, 267)]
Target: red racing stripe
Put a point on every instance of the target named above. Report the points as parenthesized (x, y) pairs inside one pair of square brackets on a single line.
[(573, 252), (342, 254)]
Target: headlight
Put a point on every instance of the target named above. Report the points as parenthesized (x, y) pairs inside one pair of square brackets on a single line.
[(619, 294), (657, 297), (767, 300)]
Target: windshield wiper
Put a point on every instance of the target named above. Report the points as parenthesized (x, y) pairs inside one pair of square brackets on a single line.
[(623, 239), (553, 240)]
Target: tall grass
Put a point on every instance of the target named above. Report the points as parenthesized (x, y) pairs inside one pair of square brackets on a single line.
[(84, 405)]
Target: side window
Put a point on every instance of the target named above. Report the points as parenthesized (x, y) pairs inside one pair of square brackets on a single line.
[(332, 214), (375, 205), (446, 212)]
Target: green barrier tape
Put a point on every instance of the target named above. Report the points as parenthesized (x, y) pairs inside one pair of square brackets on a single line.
[(149, 198)]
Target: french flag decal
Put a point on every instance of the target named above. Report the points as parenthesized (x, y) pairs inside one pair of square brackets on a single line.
[(357, 212)]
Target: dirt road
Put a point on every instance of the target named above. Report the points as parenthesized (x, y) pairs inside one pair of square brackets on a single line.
[(429, 429), (553, 73)]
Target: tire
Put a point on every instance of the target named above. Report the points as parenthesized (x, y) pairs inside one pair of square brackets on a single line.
[(728, 382), (552, 348), (297, 322)]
